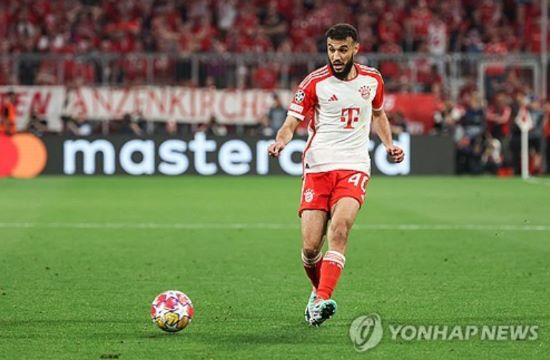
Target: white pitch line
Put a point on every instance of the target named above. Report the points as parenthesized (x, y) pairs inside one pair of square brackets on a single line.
[(153, 226), (537, 181), (447, 227), (270, 226)]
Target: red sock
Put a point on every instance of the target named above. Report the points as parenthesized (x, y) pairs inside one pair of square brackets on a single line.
[(333, 263), (313, 268), (318, 269)]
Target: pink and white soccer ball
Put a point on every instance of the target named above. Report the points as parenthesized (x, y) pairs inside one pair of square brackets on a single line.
[(172, 311)]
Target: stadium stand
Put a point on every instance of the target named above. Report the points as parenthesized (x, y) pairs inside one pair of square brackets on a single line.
[(128, 42)]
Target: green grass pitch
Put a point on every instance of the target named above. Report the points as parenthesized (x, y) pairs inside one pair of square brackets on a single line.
[(81, 259)]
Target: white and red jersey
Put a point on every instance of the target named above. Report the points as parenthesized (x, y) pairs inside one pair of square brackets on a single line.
[(342, 112)]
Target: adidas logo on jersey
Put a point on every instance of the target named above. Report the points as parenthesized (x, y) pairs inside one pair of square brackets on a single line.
[(333, 98)]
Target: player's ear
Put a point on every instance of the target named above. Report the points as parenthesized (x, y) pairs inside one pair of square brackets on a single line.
[(355, 48)]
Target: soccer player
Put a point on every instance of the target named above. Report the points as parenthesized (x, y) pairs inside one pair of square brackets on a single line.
[(344, 99)]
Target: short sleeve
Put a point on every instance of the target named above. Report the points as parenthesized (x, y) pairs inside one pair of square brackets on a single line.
[(303, 101), (378, 101)]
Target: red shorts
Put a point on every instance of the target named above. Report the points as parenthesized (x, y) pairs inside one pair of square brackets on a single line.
[(320, 191)]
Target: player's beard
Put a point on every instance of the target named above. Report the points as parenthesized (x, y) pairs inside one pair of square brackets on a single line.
[(342, 75)]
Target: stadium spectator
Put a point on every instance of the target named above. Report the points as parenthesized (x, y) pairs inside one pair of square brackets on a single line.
[(437, 36), (473, 120), (266, 76), (8, 114), (499, 115), (473, 42), (274, 118), (274, 24), (226, 12), (130, 125), (391, 69), (419, 21), (80, 26), (175, 26), (494, 74), (171, 128), (212, 127), (37, 124), (262, 128), (491, 160), (79, 126), (469, 155), (398, 123), (84, 31), (469, 137), (447, 118)]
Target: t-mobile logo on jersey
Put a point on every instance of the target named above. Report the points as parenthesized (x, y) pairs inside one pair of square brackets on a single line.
[(349, 116)]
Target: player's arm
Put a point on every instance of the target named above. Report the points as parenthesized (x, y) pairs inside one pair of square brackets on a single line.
[(303, 102), (284, 135), (381, 126), (380, 123)]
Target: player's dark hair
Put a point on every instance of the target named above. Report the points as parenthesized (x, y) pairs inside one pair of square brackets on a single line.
[(341, 32)]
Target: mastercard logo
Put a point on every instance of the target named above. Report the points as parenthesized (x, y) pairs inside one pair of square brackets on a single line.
[(22, 156)]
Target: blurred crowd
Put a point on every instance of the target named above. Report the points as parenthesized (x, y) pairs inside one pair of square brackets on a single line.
[(487, 134), (125, 26), (484, 128), (180, 27), (135, 124)]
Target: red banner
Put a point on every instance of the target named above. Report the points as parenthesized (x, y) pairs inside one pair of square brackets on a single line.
[(182, 104), (418, 109)]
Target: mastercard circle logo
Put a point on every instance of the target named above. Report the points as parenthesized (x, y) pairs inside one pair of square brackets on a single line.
[(22, 156)]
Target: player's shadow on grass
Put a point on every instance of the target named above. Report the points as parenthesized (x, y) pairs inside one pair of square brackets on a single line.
[(72, 328), (228, 340), (288, 334), (57, 322)]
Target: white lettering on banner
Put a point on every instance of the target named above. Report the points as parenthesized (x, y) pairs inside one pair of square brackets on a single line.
[(285, 158), (182, 104), (141, 101), (207, 102), (227, 107), (262, 157), (381, 157), (175, 103), (45, 101), (235, 157), (200, 146), (147, 164), (158, 97), (174, 161), (89, 151), (101, 100)]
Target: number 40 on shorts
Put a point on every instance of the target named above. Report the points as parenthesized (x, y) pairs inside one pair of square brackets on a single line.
[(359, 179)]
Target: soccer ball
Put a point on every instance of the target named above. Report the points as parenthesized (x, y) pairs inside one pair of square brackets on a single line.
[(172, 311)]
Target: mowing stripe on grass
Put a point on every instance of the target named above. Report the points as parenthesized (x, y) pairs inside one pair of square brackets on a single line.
[(269, 226), (538, 181)]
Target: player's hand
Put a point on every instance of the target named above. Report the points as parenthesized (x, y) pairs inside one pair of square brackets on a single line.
[(396, 153), (275, 149)]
